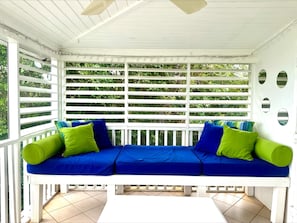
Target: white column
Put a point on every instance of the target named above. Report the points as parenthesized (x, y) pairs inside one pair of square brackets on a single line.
[(278, 204), (13, 90), (55, 87), (14, 176)]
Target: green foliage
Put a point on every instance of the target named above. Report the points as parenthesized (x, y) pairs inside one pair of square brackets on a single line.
[(3, 92)]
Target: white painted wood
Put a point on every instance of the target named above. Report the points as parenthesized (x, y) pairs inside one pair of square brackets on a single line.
[(64, 188), (4, 185), (37, 197), (183, 85), (58, 22), (128, 208), (13, 83), (278, 183), (250, 191), (13, 160), (278, 204)]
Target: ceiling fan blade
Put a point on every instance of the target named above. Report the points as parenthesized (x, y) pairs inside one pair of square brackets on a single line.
[(189, 6), (96, 7)]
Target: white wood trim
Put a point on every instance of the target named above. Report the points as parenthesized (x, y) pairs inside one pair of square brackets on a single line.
[(279, 185)]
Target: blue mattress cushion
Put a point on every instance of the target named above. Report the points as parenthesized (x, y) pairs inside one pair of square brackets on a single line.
[(93, 163), (213, 165), (158, 160)]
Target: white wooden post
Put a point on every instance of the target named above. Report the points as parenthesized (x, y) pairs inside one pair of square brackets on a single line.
[(278, 204), (110, 191), (14, 176), (37, 199), (249, 191), (3, 185), (64, 188)]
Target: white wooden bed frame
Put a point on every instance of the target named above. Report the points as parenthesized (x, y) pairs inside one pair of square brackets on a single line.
[(279, 185)]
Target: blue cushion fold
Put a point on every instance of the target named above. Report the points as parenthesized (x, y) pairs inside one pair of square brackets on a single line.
[(158, 160)]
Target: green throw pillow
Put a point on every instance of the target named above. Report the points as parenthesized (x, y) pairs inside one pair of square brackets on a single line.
[(43, 149), (273, 152), (237, 144), (79, 140)]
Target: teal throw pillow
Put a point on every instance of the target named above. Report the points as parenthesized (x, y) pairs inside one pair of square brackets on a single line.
[(237, 144), (79, 140), (63, 124), (241, 125)]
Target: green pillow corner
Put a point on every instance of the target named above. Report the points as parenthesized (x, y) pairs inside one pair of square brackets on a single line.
[(43, 149), (237, 144), (275, 153), (79, 140)]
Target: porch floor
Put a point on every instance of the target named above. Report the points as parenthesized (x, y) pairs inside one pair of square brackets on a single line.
[(86, 206)]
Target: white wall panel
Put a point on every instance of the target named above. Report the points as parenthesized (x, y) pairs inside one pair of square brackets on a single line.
[(279, 55)]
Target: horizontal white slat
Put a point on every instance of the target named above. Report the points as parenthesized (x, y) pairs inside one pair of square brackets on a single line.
[(219, 110), (37, 119), (158, 126), (94, 77), (98, 109), (157, 101), (79, 92), (220, 94), (220, 86), (158, 117), (36, 90), (205, 118), (156, 109), (157, 70), (98, 101), (163, 78), (36, 80), (32, 110), (111, 85), (220, 71), (94, 68), (37, 129), (218, 78), (36, 99), (156, 93), (97, 116), (158, 86), (34, 69), (221, 102)]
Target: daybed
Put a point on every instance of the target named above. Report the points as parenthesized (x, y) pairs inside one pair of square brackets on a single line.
[(82, 152)]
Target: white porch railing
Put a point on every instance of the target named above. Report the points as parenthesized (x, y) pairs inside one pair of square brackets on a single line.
[(15, 190)]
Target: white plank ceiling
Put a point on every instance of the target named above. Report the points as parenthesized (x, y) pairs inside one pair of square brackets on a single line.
[(223, 25)]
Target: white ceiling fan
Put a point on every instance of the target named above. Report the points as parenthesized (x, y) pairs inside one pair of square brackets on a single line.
[(188, 6)]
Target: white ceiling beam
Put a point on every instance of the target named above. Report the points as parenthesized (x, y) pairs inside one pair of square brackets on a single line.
[(111, 18)]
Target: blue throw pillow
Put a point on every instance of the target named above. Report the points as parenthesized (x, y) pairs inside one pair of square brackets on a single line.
[(210, 138), (100, 132)]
